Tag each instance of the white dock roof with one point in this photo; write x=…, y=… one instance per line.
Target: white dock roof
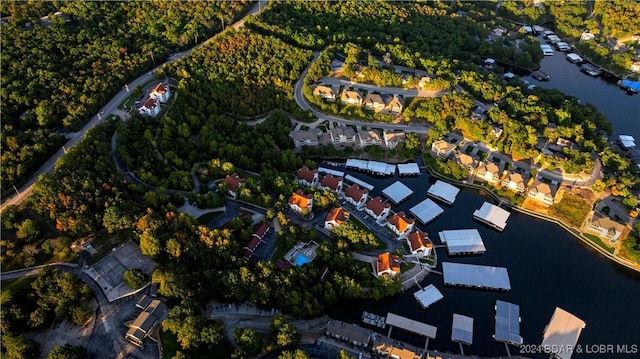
x=627, y=141
x=397, y=192
x=462, y=329
x=330, y=171
x=408, y=169
x=444, y=191
x=413, y=326
x=508, y=323
x=361, y=183
x=356, y=163
x=381, y=168
x=426, y=211
x=476, y=276
x=428, y=296
x=462, y=241
x=493, y=215
x=562, y=332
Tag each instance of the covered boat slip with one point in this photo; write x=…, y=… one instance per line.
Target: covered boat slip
x=443, y=191
x=359, y=182
x=397, y=192
x=475, y=276
x=462, y=241
x=462, y=329
x=428, y=296
x=426, y=211
x=374, y=167
x=507, y=323
x=492, y=215
x=330, y=171
x=408, y=169
x=561, y=333
x=425, y=330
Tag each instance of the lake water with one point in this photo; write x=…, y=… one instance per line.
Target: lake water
x=547, y=267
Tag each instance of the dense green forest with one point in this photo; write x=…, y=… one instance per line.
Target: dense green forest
x=57, y=74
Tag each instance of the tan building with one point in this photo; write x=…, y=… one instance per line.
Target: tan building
x=542, y=192
x=351, y=98
x=328, y=93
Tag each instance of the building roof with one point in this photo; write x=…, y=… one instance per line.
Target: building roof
x=516, y=177
x=413, y=326
x=408, y=169
x=149, y=103
x=149, y=316
x=427, y=296
x=490, y=167
x=462, y=241
x=562, y=332
x=331, y=182
x=369, y=136
x=444, y=191
x=443, y=146
x=377, y=206
x=426, y=211
x=338, y=132
x=475, y=276
x=395, y=102
x=607, y=223
x=306, y=174
x=394, y=137
x=541, y=188
x=347, y=94
x=419, y=240
x=400, y=221
x=355, y=192
x=388, y=261
x=300, y=199
x=464, y=159
x=233, y=181
x=507, y=323
x=397, y=192
x=390, y=347
x=348, y=331
x=251, y=246
x=374, y=98
x=338, y=215
x=325, y=90
x=302, y=136
x=329, y=170
x=462, y=329
x=260, y=229
x=160, y=88
x=493, y=215
x=359, y=182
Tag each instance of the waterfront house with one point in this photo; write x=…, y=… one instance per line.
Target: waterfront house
x=368, y=138
x=465, y=161
x=374, y=102
x=515, y=182
x=328, y=93
x=300, y=202
x=331, y=182
x=419, y=243
x=356, y=196
x=351, y=98
x=489, y=172
x=233, y=182
x=342, y=135
x=160, y=92
x=605, y=227
x=387, y=264
x=394, y=106
x=304, y=138
x=542, y=192
x=149, y=107
x=400, y=224
x=377, y=209
x=336, y=217
x=392, y=139
x=442, y=148
x=307, y=177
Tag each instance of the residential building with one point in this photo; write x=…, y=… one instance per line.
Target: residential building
x=307, y=177
x=260, y=230
x=304, y=138
x=489, y=172
x=328, y=93
x=145, y=323
x=423, y=82
x=351, y=98
x=385, y=347
x=466, y=161
x=515, y=182
x=542, y=192
x=233, y=182
x=392, y=139
x=356, y=196
x=342, y=135
x=336, y=217
x=160, y=93
x=400, y=224
x=377, y=209
x=394, y=106
x=300, y=202
x=149, y=107
x=368, y=138
x=350, y=333
x=388, y=264
x=605, y=227
x=374, y=102
x=419, y=243
x=331, y=182
x=442, y=148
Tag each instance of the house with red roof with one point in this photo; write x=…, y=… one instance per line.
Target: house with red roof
x=260, y=230
x=336, y=217
x=160, y=92
x=307, y=177
x=149, y=107
x=388, y=264
x=233, y=182
x=400, y=224
x=331, y=182
x=300, y=202
x=377, y=209
x=419, y=244
x=356, y=196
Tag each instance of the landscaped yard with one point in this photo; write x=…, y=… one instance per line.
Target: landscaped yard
x=573, y=209
x=595, y=239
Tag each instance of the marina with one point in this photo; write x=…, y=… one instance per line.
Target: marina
x=574, y=58
x=397, y=192
x=426, y=211
x=462, y=241
x=632, y=87
x=475, y=276
x=590, y=70
x=444, y=192
x=562, y=332
x=335, y=173
x=492, y=215
x=428, y=296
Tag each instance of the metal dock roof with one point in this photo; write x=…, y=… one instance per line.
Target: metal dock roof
x=426, y=211
x=492, y=215
x=413, y=326
x=427, y=296
x=562, y=332
x=475, y=276
x=397, y=192
x=443, y=191
x=462, y=241
x=462, y=329
x=508, y=323
x=359, y=182
x=406, y=169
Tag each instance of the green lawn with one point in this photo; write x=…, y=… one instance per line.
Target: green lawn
x=595, y=239
x=208, y=217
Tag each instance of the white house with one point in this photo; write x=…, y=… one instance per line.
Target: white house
x=368, y=138
x=489, y=171
x=336, y=217
x=542, y=192
x=300, y=202
x=466, y=161
x=352, y=98
x=304, y=138
x=342, y=135
x=419, y=243
x=307, y=177
x=233, y=182
x=377, y=209
x=515, y=182
x=374, y=102
x=388, y=264
x=328, y=93
x=442, y=148
x=160, y=93
x=392, y=139
x=605, y=227
x=149, y=107
x=394, y=106
x=356, y=196
x=400, y=224
x=331, y=182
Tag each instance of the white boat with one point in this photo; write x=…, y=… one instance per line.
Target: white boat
x=574, y=58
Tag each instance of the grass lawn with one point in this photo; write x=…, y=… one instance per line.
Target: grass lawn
x=208, y=217
x=630, y=249
x=595, y=239
x=572, y=209
x=17, y=285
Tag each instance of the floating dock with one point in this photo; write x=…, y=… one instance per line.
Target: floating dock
x=492, y=215
x=426, y=211
x=408, y=169
x=462, y=241
x=475, y=276
x=397, y=192
x=428, y=296
x=373, y=319
x=507, y=323
x=561, y=333
x=462, y=330
x=444, y=192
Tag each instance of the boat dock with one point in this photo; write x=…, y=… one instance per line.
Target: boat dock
x=492, y=215
x=476, y=276
x=422, y=329
x=373, y=319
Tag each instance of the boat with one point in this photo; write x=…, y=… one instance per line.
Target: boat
x=540, y=75
x=374, y=319
x=632, y=87
x=574, y=58
x=590, y=70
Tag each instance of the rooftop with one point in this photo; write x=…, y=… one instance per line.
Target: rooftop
x=462, y=329
x=413, y=326
x=428, y=296
x=419, y=240
x=562, y=332
x=475, y=276
x=397, y=192
x=507, y=323
x=306, y=174
x=462, y=241
x=492, y=215
x=233, y=181
x=331, y=182
x=377, y=206
x=443, y=191
x=408, y=169
x=355, y=192
x=400, y=221
x=388, y=261
x=426, y=211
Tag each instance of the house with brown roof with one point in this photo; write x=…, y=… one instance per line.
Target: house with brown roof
x=342, y=135
x=419, y=243
x=374, y=102
x=514, y=182
x=392, y=139
x=377, y=209
x=465, y=161
x=356, y=196
x=400, y=224
x=542, y=192
x=149, y=107
x=442, y=148
x=145, y=322
x=260, y=230
x=304, y=138
x=330, y=182
x=489, y=172
x=351, y=98
x=160, y=92
x=336, y=217
x=605, y=227
x=387, y=264
x=233, y=182
x=368, y=138
x=300, y=202
x=394, y=106
x=307, y=177
x=328, y=93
